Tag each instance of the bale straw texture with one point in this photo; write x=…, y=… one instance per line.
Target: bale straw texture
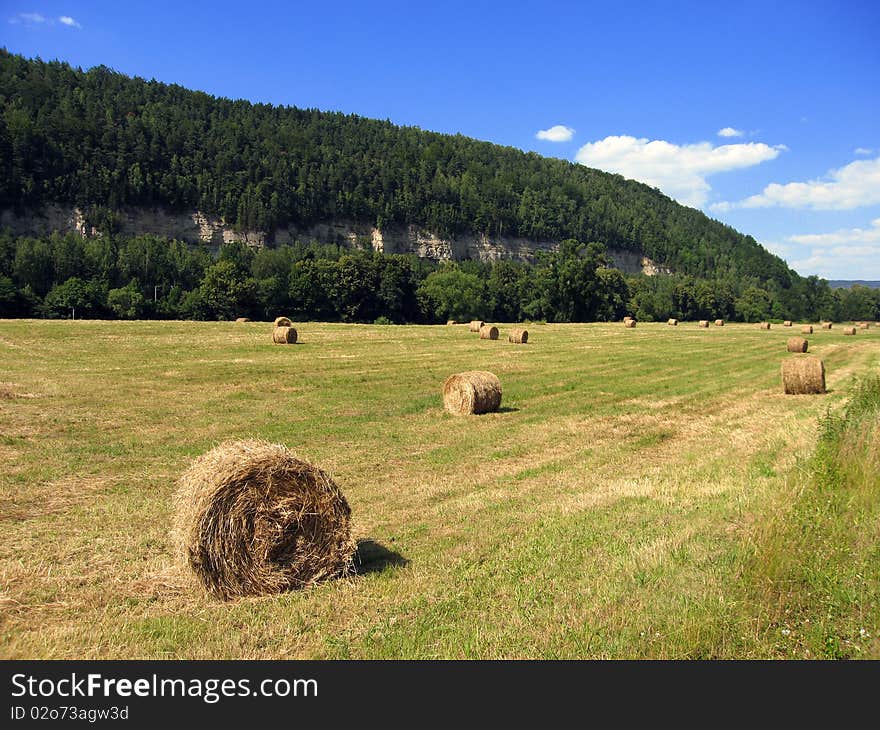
x=518, y=336
x=283, y=322
x=472, y=392
x=797, y=344
x=807, y=329
x=284, y=336
x=719, y=322
x=252, y=519
x=849, y=330
x=488, y=332
x=803, y=375
x=476, y=324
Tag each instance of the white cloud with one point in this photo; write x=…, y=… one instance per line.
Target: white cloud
x=730, y=132
x=837, y=255
x=852, y=186
x=862, y=151
x=557, y=133
x=680, y=171
x=28, y=18
x=68, y=21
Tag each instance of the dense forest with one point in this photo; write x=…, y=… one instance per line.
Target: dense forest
x=100, y=140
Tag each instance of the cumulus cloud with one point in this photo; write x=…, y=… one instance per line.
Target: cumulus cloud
x=855, y=185
x=557, y=133
x=680, y=171
x=68, y=21
x=836, y=255
x=862, y=151
x=730, y=132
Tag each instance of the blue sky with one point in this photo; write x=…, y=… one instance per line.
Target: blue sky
x=765, y=115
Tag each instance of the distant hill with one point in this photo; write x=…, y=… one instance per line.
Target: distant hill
x=102, y=142
x=848, y=284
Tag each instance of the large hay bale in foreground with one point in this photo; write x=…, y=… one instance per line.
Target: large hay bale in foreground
x=283, y=322
x=807, y=329
x=252, y=519
x=797, y=344
x=629, y=323
x=787, y=323
x=472, y=392
x=284, y=336
x=476, y=324
x=703, y=323
x=719, y=322
x=826, y=325
x=488, y=332
x=763, y=325
x=672, y=322
x=518, y=336
x=849, y=330
x=803, y=375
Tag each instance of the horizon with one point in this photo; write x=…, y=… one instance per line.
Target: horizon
x=782, y=145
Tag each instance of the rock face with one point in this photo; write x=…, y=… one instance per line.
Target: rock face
x=198, y=227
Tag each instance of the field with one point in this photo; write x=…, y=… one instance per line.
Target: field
x=618, y=506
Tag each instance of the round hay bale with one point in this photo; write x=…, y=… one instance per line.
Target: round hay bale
x=476, y=324
x=797, y=344
x=488, y=332
x=763, y=325
x=518, y=336
x=787, y=323
x=252, y=519
x=283, y=322
x=826, y=325
x=849, y=330
x=627, y=319
x=864, y=325
x=703, y=323
x=451, y=321
x=472, y=392
x=803, y=375
x=672, y=322
x=242, y=319
x=807, y=329
x=630, y=324
x=719, y=322
x=284, y=336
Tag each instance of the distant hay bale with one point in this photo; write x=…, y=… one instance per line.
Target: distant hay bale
x=284, y=336
x=242, y=319
x=629, y=323
x=451, y=321
x=864, y=325
x=703, y=323
x=763, y=325
x=488, y=332
x=787, y=323
x=807, y=329
x=252, y=519
x=826, y=325
x=849, y=330
x=672, y=322
x=476, y=324
x=719, y=322
x=518, y=336
x=283, y=322
x=627, y=319
x=803, y=375
x=797, y=344
x=472, y=392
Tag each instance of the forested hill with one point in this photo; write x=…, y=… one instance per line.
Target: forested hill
x=101, y=140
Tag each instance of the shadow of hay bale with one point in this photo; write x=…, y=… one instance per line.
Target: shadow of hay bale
x=373, y=557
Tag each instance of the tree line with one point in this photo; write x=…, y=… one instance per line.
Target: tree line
x=147, y=276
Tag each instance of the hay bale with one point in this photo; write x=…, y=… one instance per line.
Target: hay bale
x=476, y=324
x=849, y=330
x=627, y=319
x=518, y=336
x=807, y=329
x=451, y=321
x=719, y=322
x=283, y=322
x=826, y=325
x=252, y=519
x=672, y=322
x=763, y=325
x=864, y=325
x=703, y=323
x=797, y=344
x=803, y=375
x=630, y=323
x=284, y=336
x=488, y=332
x=472, y=392
x=787, y=323
x=242, y=319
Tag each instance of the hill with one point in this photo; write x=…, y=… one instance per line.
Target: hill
x=849, y=283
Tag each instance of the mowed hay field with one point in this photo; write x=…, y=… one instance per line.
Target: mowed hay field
x=608, y=510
